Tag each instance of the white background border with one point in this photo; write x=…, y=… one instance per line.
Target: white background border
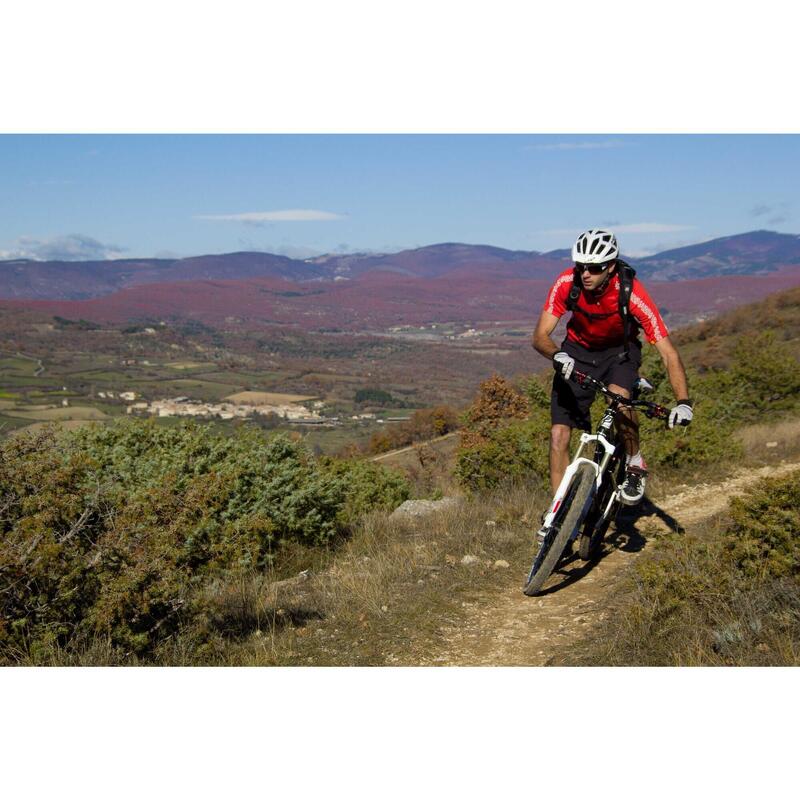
x=353, y=66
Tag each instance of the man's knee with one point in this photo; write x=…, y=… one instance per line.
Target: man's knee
x=619, y=390
x=559, y=438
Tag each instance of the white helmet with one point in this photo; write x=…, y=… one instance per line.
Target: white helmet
x=595, y=247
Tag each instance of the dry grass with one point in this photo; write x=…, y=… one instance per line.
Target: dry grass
x=391, y=588
x=187, y=364
x=783, y=438
x=59, y=413
x=267, y=398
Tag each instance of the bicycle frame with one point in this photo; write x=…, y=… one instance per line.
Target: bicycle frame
x=601, y=439
x=577, y=485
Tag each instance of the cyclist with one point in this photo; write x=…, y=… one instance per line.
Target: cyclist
x=597, y=344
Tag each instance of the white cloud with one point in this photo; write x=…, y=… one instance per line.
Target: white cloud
x=561, y=146
x=284, y=215
x=73, y=247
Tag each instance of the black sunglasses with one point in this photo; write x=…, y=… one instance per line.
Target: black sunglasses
x=594, y=269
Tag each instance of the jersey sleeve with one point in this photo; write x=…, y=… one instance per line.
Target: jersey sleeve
x=556, y=302
x=647, y=314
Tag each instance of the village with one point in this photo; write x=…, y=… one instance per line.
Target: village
x=241, y=405
x=246, y=404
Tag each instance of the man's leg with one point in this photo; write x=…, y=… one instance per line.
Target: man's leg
x=627, y=423
x=636, y=471
x=559, y=453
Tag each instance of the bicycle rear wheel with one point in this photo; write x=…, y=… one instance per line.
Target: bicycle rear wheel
x=573, y=511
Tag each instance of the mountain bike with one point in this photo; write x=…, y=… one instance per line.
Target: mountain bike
x=588, y=497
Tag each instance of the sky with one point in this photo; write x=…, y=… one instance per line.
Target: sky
x=113, y=196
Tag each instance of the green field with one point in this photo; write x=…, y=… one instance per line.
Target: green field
x=101, y=375
x=8, y=424
x=17, y=366
x=259, y=380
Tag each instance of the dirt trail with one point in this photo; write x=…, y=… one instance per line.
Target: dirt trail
x=507, y=628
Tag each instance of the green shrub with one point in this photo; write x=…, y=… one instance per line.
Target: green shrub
x=517, y=451
x=109, y=532
x=764, y=535
x=367, y=487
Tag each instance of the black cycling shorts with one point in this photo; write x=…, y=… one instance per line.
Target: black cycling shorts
x=569, y=402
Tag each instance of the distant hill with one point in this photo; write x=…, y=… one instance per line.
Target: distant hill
x=743, y=254
x=76, y=280
x=449, y=282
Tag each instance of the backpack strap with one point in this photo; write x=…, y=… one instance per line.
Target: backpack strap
x=626, y=274
x=574, y=292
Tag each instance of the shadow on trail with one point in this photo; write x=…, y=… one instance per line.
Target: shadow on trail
x=625, y=536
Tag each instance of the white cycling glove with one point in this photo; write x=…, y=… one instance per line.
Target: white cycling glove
x=564, y=364
x=681, y=414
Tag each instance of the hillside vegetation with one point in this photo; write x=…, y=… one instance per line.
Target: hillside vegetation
x=140, y=544
x=115, y=533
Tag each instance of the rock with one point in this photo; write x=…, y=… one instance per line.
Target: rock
x=467, y=560
x=772, y=444
x=291, y=583
x=421, y=508
x=500, y=564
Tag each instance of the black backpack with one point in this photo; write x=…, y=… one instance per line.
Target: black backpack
x=626, y=274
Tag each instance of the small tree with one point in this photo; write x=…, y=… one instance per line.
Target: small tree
x=496, y=403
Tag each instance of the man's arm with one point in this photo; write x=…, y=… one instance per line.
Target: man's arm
x=675, y=370
x=542, y=342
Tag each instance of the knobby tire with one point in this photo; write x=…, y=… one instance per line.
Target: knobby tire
x=571, y=518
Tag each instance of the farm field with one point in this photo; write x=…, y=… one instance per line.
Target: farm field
x=59, y=413
x=268, y=398
x=211, y=365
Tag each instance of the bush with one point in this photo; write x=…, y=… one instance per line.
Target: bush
x=516, y=451
x=376, y=397
x=426, y=423
x=762, y=377
x=109, y=532
x=763, y=538
x=498, y=443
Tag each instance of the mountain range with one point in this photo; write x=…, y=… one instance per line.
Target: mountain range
x=451, y=281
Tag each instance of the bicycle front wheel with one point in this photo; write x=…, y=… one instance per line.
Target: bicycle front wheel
x=573, y=511
x=596, y=524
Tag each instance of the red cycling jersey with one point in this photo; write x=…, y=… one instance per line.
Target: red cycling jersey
x=597, y=334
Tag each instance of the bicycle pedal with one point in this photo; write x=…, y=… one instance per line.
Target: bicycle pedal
x=543, y=533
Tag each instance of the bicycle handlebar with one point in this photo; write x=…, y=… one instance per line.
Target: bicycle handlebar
x=652, y=410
